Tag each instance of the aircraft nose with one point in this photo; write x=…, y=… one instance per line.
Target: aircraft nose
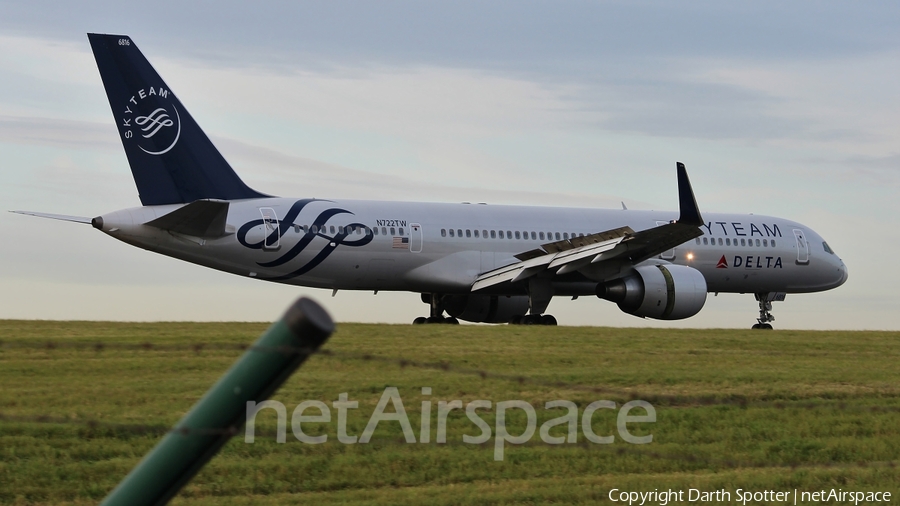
x=844, y=273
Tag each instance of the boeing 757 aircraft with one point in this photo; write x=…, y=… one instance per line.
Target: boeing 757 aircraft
x=473, y=262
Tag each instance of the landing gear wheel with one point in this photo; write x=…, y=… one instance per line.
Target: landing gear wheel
x=766, y=326
x=434, y=319
x=451, y=320
x=548, y=319
x=516, y=320
x=531, y=319
x=420, y=320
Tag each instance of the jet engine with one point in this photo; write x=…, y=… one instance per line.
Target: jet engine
x=485, y=308
x=662, y=292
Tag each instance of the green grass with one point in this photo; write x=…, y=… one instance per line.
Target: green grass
x=735, y=409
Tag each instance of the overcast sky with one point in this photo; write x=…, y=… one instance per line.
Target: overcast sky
x=782, y=108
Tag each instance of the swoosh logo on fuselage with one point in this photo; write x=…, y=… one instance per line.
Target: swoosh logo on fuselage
x=318, y=225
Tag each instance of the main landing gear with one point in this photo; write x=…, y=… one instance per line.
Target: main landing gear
x=765, y=307
x=540, y=292
x=533, y=319
x=437, y=311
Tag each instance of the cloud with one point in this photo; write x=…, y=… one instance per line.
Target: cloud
x=57, y=132
x=291, y=176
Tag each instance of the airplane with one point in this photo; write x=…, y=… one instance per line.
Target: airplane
x=471, y=262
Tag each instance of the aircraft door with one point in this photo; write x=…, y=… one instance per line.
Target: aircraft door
x=272, y=234
x=415, y=238
x=802, y=247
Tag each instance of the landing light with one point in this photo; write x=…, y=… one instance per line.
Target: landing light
x=690, y=256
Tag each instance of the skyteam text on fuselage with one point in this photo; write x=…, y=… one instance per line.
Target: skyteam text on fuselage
x=473, y=262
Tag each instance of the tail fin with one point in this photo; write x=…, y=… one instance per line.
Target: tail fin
x=171, y=159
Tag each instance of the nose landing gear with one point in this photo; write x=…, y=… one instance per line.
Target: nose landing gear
x=765, y=300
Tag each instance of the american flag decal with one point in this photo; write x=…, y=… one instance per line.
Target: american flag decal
x=400, y=242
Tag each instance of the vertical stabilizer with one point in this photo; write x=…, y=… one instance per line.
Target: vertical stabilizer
x=171, y=159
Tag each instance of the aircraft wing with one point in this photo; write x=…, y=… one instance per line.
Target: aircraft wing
x=617, y=244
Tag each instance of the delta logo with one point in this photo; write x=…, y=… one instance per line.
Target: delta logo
x=723, y=263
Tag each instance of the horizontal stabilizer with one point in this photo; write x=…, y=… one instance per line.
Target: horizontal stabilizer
x=201, y=218
x=63, y=217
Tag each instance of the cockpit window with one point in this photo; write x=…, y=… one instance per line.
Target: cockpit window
x=827, y=248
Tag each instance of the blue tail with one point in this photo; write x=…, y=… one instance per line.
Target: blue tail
x=171, y=159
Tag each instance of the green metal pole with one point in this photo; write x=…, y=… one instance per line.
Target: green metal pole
x=221, y=412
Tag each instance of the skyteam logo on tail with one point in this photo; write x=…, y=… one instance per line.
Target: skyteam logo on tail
x=152, y=121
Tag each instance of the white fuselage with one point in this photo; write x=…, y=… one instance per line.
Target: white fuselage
x=432, y=247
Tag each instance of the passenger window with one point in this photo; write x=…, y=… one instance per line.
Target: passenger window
x=557, y=236
x=765, y=243
x=484, y=234
x=565, y=235
x=720, y=241
x=742, y=243
x=476, y=233
x=393, y=231
x=443, y=232
x=468, y=233
x=705, y=241
x=697, y=240
x=757, y=243
x=451, y=232
x=773, y=243
x=508, y=234
x=375, y=231
x=542, y=236
x=458, y=232
x=727, y=242
x=517, y=234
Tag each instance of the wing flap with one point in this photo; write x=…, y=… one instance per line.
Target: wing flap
x=512, y=273
x=566, y=255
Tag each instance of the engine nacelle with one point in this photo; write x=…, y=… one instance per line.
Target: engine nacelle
x=662, y=292
x=485, y=308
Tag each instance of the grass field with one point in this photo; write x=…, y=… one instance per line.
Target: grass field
x=779, y=410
